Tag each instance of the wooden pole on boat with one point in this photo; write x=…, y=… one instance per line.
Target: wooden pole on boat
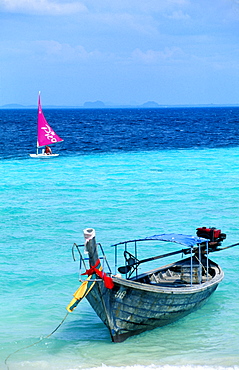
x=229, y=246
x=91, y=246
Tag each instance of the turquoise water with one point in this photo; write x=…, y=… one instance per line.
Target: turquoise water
x=45, y=205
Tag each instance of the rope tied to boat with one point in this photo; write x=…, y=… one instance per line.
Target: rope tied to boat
x=33, y=344
x=106, y=279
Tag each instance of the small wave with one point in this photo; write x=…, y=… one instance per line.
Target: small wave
x=163, y=367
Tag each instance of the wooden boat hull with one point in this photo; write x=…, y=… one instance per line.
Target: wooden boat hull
x=131, y=307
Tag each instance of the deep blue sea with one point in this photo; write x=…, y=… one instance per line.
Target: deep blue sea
x=92, y=131
x=128, y=173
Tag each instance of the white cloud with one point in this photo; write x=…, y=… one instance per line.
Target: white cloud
x=54, y=51
x=135, y=6
x=42, y=7
x=155, y=57
x=178, y=15
x=142, y=24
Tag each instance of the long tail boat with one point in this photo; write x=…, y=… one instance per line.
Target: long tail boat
x=130, y=302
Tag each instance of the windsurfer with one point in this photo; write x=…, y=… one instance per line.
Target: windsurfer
x=48, y=150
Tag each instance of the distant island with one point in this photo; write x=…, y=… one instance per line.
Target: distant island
x=98, y=104
x=94, y=104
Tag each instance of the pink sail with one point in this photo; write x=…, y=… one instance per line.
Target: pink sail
x=45, y=134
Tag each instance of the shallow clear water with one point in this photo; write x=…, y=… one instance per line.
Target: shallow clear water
x=45, y=205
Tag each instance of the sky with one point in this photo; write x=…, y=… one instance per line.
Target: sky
x=173, y=52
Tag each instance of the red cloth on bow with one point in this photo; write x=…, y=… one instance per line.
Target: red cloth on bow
x=93, y=270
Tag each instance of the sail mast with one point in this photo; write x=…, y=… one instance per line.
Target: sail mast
x=39, y=104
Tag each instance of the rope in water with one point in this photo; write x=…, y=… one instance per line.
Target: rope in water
x=33, y=344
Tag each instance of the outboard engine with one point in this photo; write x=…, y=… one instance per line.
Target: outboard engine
x=214, y=235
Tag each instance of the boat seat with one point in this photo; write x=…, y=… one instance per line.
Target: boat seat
x=165, y=278
x=169, y=273
x=153, y=279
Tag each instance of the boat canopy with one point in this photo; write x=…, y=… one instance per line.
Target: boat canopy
x=188, y=240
